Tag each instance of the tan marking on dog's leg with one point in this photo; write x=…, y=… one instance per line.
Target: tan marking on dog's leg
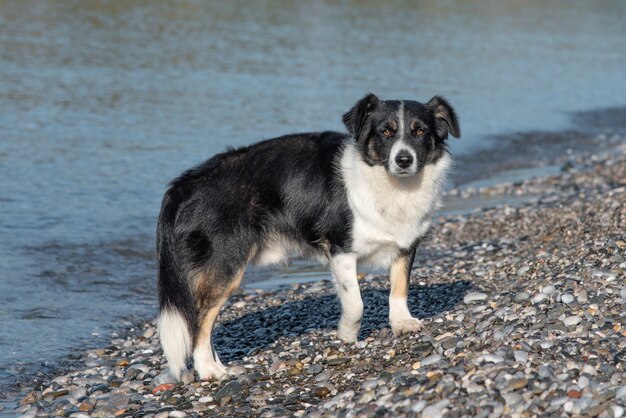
x=399, y=277
x=205, y=358
x=399, y=315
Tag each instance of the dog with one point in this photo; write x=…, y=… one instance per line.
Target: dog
x=366, y=196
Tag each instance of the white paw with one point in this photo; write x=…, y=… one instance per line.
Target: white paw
x=211, y=370
x=348, y=333
x=405, y=326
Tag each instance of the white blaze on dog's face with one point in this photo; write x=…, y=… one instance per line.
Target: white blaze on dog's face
x=402, y=136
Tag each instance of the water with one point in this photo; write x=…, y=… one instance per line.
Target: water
x=103, y=102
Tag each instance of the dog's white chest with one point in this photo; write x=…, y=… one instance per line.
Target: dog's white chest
x=389, y=214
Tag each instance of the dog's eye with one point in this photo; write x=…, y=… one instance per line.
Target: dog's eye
x=387, y=133
x=419, y=131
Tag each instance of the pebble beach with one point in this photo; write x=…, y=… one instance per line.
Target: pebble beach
x=524, y=311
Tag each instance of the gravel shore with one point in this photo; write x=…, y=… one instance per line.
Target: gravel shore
x=523, y=309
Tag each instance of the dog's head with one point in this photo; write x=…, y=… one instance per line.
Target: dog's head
x=402, y=136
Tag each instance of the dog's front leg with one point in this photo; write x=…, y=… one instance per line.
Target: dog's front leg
x=399, y=315
x=343, y=267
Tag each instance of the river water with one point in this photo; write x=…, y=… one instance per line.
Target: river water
x=103, y=102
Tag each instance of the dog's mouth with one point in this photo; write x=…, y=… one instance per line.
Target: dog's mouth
x=403, y=173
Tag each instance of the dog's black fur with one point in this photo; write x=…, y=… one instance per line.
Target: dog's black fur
x=218, y=216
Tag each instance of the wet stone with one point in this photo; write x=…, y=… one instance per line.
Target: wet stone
x=57, y=393
x=116, y=383
x=172, y=400
x=86, y=406
x=123, y=362
x=132, y=373
x=30, y=397
x=98, y=388
x=119, y=401
x=104, y=412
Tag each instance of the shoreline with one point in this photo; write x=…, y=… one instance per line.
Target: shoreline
x=471, y=250
x=519, y=154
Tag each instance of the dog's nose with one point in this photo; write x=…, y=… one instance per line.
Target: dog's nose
x=404, y=160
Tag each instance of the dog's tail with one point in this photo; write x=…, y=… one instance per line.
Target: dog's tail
x=177, y=315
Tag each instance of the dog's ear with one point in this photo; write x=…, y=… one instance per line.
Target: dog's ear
x=446, y=121
x=354, y=119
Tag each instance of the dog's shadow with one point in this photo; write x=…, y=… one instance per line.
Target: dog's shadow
x=257, y=330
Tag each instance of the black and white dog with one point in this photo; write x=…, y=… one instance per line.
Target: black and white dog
x=367, y=196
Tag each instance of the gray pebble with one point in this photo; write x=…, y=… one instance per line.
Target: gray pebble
x=493, y=358
x=104, y=412
x=149, y=333
x=572, y=320
x=419, y=406
x=432, y=359
x=512, y=398
x=314, y=369
x=431, y=412
x=521, y=297
x=472, y=297
x=231, y=389
x=162, y=378
x=583, y=381
x=323, y=376
x=545, y=372
x=521, y=356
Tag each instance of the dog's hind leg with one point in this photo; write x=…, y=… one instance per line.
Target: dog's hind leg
x=343, y=267
x=211, y=296
x=400, y=317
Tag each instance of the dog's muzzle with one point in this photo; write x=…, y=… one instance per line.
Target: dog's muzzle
x=403, y=163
